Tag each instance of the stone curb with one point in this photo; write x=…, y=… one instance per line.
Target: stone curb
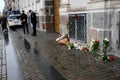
x=3, y=64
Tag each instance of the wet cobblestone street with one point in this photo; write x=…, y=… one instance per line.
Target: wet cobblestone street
x=41, y=58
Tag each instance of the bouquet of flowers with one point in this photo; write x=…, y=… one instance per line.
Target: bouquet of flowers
x=94, y=45
x=62, y=37
x=105, y=45
x=84, y=49
x=69, y=45
x=102, y=58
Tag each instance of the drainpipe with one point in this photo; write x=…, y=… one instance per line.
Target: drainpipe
x=56, y=15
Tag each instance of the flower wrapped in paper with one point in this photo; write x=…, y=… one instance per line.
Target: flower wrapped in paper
x=70, y=45
x=105, y=45
x=84, y=49
x=62, y=37
x=94, y=45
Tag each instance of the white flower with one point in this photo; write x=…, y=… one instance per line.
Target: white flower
x=106, y=39
x=80, y=47
x=92, y=40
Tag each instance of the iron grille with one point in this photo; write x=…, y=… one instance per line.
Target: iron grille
x=79, y=29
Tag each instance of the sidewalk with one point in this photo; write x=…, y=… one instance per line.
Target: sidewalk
x=3, y=69
x=72, y=64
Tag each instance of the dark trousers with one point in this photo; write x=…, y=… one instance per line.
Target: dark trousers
x=25, y=28
x=4, y=26
x=34, y=28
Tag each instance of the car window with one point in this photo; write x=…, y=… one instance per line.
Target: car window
x=14, y=17
x=14, y=12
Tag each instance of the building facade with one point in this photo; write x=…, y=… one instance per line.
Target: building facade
x=43, y=9
x=103, y=21
x=91, y=19
x=7, y=4
x=11, y=4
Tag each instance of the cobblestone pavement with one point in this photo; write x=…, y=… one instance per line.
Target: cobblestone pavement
x=3, y=69
x=72, y=64
x=29, y=68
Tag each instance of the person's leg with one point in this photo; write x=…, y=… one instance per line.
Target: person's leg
x=27, y=28
x=34, y=28
x=5, y=27
x=23, y=28
x=2, y=26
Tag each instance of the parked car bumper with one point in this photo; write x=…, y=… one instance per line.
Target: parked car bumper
x=10, y=24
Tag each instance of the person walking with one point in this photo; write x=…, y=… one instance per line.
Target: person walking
x=24, y=22
x=4, y=21
x=33, y=21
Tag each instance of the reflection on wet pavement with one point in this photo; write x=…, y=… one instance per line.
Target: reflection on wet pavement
x=6, y=37
x=13, y=67
x=48, y=70
x=27, y=45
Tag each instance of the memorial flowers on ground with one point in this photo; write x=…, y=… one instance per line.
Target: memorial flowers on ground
x=94, y=45
x=105, y=45
x=70, y=45
x=104, y=56
x=64, y=40
x=95, y=49
x=84, y=49
x=98, y=54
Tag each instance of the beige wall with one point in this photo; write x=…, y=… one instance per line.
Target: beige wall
x=78, y=3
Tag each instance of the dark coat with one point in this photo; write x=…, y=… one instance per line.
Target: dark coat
x=4, y=21
x=33, y=18
x=0, y=20
x=23, y=18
